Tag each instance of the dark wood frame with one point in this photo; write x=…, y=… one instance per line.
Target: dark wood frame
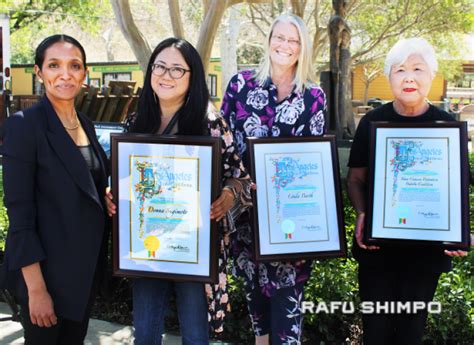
x=464, y=178
x=215, y=144
x=251, y=142
x=112, y=124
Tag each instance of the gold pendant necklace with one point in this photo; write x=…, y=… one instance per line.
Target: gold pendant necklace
x=73, y=127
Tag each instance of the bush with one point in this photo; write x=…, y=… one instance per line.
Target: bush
x=455, y=324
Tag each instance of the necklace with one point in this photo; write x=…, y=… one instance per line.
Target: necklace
x=73, y=127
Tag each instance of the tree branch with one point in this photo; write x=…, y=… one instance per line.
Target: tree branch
x=254, y=22
x=298, y=7
x=130, y=31
x=23, y=18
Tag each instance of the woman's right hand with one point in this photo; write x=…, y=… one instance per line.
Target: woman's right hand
x=359, y=232
x=111, y=207
x=41, y=308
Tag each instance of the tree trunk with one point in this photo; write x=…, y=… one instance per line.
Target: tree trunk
x=175, y=15
x=209, y=28
x=340, y=62
x=228, y=46
x=130, y=31
x=107, y=36
x=298, y=7
x=334, y=52
x=366, y=92
x=345, y=96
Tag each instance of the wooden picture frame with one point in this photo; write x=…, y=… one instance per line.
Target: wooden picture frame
x=103, y=131
x=418, y=190
x=298, y=211
x=163, y=187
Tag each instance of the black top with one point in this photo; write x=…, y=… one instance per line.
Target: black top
x=407, y=258
x=92, y=163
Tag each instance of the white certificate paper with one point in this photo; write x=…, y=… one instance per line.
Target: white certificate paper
x=165, y=221
x=296, y=197
x=416, y=187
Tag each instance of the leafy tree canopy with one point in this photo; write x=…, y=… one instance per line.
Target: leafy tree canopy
x=32, y=20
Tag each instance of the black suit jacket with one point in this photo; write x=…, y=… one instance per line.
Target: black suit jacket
x=56, y=213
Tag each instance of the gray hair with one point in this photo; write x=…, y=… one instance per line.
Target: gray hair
x=303, y=73
x=411, y=46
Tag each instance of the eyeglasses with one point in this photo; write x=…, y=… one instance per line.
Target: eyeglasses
x=282, y=39
x=174, y=72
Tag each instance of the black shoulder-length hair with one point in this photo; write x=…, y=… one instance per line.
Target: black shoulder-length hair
x=193, y=113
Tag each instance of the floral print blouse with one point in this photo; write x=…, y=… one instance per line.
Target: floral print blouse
x=253, y=110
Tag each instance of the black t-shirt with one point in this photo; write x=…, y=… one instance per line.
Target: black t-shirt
x=406, y=258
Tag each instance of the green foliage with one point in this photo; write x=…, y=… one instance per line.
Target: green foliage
x=440, y=22
x=31, y=21
x=249, y=54
x=85, y=12
x=455, y=324
x=334, y=280
x=237, y=328
x=23, y=51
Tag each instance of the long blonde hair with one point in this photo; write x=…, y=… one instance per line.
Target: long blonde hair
x=303, y=73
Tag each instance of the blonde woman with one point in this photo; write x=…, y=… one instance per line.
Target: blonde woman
x=276, y=100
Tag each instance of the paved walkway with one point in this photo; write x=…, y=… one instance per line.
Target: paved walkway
x=100, y=332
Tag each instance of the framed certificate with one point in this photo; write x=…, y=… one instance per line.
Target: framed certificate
x=418, y=185
x=103, y=131
x=163, y=187
x=298, y=210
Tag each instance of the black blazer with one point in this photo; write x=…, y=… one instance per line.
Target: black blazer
x=57, y=215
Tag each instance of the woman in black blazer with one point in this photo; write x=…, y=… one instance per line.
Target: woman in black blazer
x=54, y=176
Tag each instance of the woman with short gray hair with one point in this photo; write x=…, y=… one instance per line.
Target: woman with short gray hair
x=388, y=274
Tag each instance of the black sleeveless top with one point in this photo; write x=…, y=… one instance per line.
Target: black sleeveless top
x=92, y=163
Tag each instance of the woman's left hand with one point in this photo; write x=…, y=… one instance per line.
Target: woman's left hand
x=111, y=207
x=453, y=253
x=220, y=207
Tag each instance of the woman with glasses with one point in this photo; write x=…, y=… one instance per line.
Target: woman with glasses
x=277, y=100
x=175, y=100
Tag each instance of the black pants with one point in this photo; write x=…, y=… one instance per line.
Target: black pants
x=65, y=332
x=393, y=328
